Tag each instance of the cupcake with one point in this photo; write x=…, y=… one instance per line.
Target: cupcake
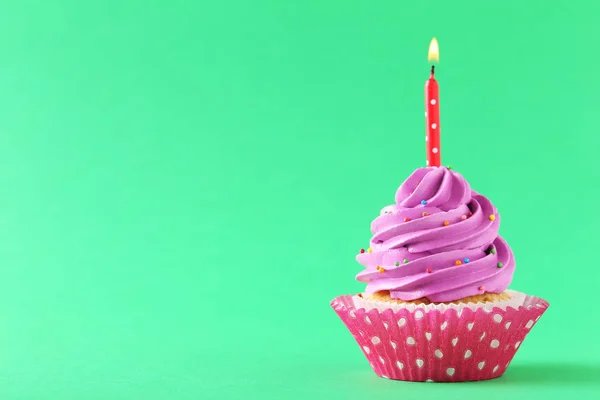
x=436, y=306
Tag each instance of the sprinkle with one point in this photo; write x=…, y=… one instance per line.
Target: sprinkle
x=362, y=251
x=493, y=251
x=406, y=219
x=492, y=217
x=381, y=270
x=397, y=263
x=406, y=261
x=418, y=183
x=481, y=288
x=425, y=214
x=428, y=270
x=499, y=265
x=470, y=214
x=446, y=223
x=463, y=217
x=423, y=202
x=458, y=262
x=369, y=250
x=449, y=166
x=467, y=260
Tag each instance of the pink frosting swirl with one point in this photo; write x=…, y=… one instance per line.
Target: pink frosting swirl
x=440, y=241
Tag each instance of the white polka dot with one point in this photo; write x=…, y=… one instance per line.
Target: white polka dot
x=410, y=340
x=494, y=344
x=468, y=354
x=432, y=101
x=361, y=333
x=399, y=364
x=385, y=376
x=434, y=150
x=366, y=349
x=444, y=325
x=496, y=368
x=507, y=364
x=352, y=314
x=497, y=318
x=529, y=324
x=481, y=365
x=454, y=341
x=385, y=325
x=419, y=362
x=482, y=336
x=382, y=360
x=428, y=335
x=429, y=381
x=517, y=345
x=425, y=113
x=426, y=138
x=426, y=162
x=393, y=344
x=538, y=317
x=450, y=371
x=433, y=126
x=401, y=322
x=470, y=325
x=367, y=320
x=419, y=314
x=507, y=325
x=438, y=353
x=375, y=340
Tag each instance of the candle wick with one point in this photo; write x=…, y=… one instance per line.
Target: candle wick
x=432, y=70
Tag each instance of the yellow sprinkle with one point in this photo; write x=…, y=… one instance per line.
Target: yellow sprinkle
x=446, y=223
x=369, y=250
x=381, y=270
x=492, y=217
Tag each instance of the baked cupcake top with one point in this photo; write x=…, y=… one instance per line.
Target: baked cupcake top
x=439, y=241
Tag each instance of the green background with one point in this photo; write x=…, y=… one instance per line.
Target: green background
x=184, y=186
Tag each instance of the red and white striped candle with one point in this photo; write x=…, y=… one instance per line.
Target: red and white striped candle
x=432, y=112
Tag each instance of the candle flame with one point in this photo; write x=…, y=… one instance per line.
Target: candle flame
x=434, y=51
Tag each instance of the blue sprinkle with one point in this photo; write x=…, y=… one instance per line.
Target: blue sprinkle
x=423, y=202
x=467, y=260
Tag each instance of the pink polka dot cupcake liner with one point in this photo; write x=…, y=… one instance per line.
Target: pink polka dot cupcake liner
x=446, y=343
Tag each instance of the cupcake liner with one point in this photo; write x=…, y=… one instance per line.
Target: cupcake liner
x=453, y=343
